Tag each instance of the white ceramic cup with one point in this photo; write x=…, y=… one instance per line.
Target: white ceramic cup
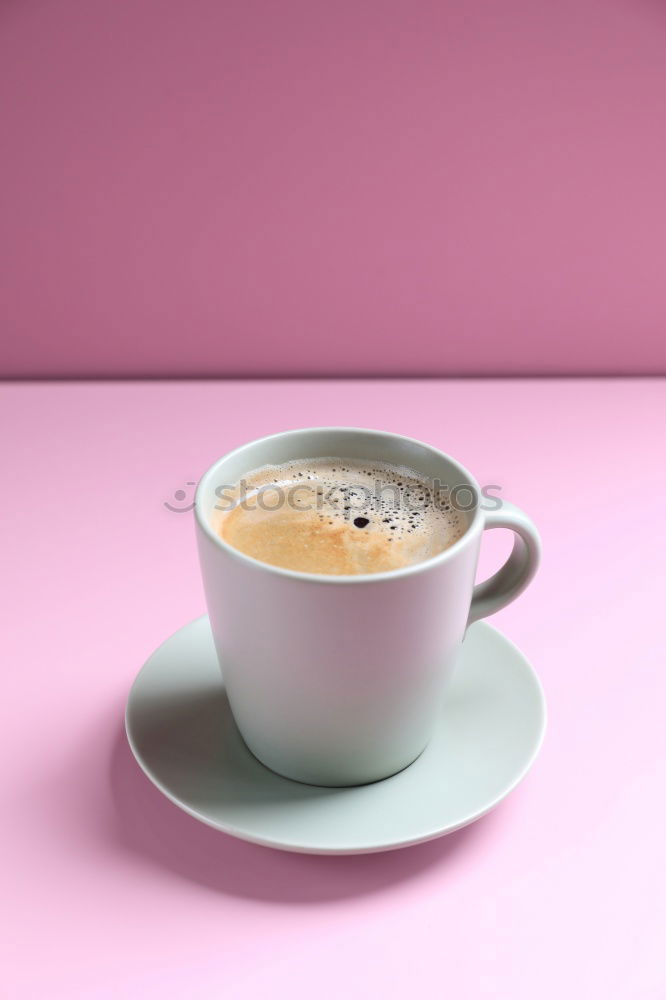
x=337, y=680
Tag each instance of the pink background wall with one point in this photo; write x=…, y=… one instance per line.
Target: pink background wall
x=366, y=186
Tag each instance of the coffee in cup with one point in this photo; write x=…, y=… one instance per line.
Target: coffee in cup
x=338, y=516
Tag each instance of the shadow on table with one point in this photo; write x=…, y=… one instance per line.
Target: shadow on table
x=153, y=828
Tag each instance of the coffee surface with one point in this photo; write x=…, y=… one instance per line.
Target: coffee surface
x=337, y=516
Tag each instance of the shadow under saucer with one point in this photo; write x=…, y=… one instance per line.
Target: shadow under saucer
x=156, y=830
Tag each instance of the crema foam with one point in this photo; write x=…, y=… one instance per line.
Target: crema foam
x=337, y=516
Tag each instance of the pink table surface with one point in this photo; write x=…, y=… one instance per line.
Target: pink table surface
x=110, y=891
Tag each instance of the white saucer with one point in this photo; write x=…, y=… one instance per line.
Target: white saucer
x=181, y=731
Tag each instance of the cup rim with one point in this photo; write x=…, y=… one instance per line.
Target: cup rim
x=474, y=527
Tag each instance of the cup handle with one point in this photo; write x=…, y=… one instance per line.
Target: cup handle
x=509, y=581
